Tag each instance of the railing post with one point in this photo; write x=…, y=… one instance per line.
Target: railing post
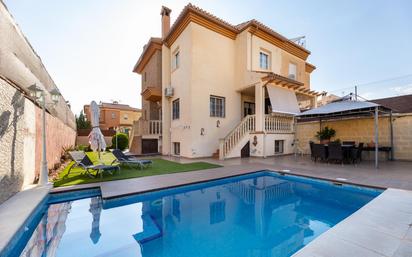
x=221, y=149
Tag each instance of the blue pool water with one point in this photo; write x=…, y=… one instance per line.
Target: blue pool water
x=261, y=214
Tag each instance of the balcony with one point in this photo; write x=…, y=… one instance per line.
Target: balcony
x=147, y=128
x=153, y=94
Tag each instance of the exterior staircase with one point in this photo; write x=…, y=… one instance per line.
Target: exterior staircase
x=272, y=124
x=246, y=125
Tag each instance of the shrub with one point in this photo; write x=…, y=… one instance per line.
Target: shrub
x=326, y=133
x=122, y=141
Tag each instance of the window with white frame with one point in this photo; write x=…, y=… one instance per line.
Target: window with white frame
x=264, y=60
x=292, y=71
x=217, y=106
x=176, y=109
x=279, y=146
x=176, y=60
x=176, y=148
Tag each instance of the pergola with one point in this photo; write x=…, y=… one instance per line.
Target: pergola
x=351, y=108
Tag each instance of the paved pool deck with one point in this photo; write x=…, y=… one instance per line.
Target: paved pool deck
x=380, y=228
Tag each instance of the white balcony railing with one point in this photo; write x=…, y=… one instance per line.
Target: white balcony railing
x=147, y=127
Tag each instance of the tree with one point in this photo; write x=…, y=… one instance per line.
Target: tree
x=81, y=121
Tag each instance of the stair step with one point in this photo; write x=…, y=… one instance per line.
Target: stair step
x=215, y=155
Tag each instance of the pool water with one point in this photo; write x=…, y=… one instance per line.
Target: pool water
x=260, y=215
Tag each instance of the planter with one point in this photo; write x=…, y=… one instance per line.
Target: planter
x=325, y=141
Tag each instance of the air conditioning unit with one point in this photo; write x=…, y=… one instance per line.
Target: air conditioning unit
x=169, y=91
x=292, y=76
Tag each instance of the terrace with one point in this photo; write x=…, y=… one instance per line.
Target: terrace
x=391, y=174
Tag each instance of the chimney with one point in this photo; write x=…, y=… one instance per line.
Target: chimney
x=165, y=12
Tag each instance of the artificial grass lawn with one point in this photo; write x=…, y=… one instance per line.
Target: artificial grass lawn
x=158, y=167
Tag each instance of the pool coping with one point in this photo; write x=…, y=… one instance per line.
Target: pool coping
x=119, y=188
x=142, y=185
x=382, y=227
x=17, y=211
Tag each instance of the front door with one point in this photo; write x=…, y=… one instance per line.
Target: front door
x=245, y=152
x=149, y=146
x=248, y=108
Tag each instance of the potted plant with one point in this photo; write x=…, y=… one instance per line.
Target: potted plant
x=325, y=134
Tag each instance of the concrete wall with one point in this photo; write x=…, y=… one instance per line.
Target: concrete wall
x=362, y=130
x=20, y=118
x=21, y=141
x=20, y=64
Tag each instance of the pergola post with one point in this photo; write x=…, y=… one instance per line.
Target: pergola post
x=376, y=137
x=391, y=134
x=259, y=107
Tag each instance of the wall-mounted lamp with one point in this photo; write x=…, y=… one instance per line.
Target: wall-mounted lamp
x=218, y=123
x=55, y=95
x=202, y=131
x=255, y=142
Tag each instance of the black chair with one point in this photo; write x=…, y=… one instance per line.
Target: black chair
x=348, y=143
x=357, y=153
x=335, y=152
x=121, y=158
x=312, y=154
x=319, y=152
x=82, y=160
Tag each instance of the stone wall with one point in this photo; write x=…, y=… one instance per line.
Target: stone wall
x=20, y=117
x=21, y=140
x=362, y=130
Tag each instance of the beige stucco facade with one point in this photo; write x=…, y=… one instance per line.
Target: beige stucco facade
x=221, y=61
x=212, y=64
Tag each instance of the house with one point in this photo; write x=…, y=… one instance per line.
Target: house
x=115, y=116
x=210, y=88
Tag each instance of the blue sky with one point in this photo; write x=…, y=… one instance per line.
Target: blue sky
x=90, y=47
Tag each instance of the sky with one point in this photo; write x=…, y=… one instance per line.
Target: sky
x=90, y=47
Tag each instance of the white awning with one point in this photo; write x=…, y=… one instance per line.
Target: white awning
x=283, y=100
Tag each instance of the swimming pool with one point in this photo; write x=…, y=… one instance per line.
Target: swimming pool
x=260, y=214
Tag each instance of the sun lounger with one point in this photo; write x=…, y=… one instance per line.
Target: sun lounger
x=82, y=160
x=129, y=160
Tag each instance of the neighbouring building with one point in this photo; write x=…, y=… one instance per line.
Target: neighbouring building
x=210, y=88
x=21, y=117
x=115, y=116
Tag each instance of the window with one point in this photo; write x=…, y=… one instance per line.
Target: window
x=176, y=109
x=176, y=148
x=217, y=106
x=113, y=115
x=125, y=117
x=279, y=146
x=176, y=60
x=264, y=61
x=292, y=71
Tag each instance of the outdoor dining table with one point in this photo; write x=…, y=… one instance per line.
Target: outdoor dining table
x=346, y=150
